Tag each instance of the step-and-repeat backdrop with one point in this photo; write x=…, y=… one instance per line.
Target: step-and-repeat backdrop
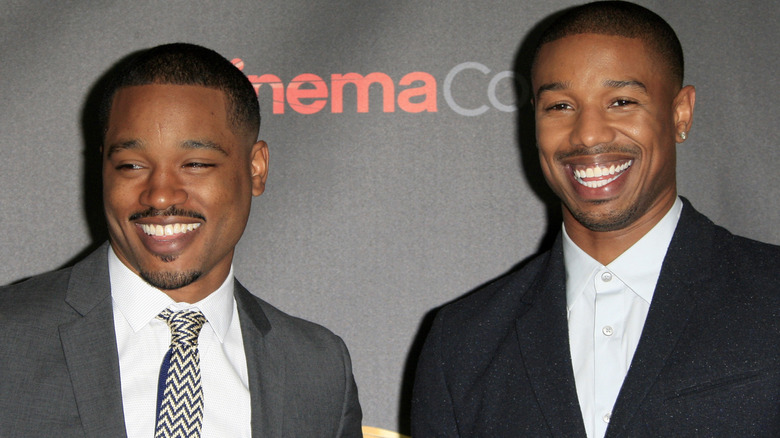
x=402, y=170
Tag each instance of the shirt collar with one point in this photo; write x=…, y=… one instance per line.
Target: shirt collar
x=638, y=267
x=139, y=302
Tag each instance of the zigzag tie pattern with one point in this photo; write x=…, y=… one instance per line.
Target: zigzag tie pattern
x=180, y=397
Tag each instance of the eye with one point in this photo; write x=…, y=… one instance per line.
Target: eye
x=558, y=107
x=198, y=165
x=623, y=102
x=128, y=166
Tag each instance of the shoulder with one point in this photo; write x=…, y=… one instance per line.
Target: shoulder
x=748, y=269
x=321, y=395
x=499, y=296
x=40, y=292
x=762, y=255
x=727, y=254
x=483, y=318
x=294, y=328
x=296, y=336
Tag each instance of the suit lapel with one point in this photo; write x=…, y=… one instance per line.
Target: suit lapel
x=264, y=365
x=89, y=345
x=544, y=346
x=685, y=269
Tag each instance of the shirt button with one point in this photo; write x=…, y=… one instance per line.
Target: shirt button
x=606, y=417
x=607, y=330
x=606, y=277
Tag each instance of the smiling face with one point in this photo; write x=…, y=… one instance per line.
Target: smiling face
x=608, y=115
x=178, y=183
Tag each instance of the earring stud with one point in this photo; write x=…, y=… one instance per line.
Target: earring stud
x=683, y=136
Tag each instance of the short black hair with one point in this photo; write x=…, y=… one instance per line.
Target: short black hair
x=623, y=19
x=187, y=64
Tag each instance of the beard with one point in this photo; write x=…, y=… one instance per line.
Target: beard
x=613, y=220
x=609, y=221
x=170, y=280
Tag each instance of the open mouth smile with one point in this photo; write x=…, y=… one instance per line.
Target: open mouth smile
x=595, y=175
x=168, y=230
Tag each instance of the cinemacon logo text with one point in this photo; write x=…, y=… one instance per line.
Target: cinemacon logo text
x=415, y=92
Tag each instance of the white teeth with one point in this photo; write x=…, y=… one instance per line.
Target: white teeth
x=168, y=230
x=594, y=172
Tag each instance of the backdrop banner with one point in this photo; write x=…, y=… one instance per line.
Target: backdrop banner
x=403, y=169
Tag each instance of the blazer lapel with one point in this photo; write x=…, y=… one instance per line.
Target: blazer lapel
x=544, y=346
x=264, y=365
x=684, y=270
x=89, y=345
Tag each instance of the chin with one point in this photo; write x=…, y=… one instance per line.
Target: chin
x=605, y=221
x=170, y=280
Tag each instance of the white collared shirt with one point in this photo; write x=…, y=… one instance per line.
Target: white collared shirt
x=143, y=340
x=607, y=307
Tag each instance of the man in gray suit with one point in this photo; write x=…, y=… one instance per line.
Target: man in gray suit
x=644, y=319
x=84, y=351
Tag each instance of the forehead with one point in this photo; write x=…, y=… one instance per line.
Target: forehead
x=577, y=58
x=167, y=107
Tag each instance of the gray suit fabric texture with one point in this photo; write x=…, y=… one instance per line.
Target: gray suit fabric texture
x=497, y=362
x=59, y=367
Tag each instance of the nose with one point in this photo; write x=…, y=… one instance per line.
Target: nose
x=592, y=127
x=163, y=190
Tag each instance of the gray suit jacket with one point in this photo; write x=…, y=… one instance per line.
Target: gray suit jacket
x=59, y=368
x=497, y=362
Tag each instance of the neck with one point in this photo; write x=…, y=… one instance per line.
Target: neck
x=606, y=246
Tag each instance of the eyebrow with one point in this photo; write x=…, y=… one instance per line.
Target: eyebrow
x=609, y=83
x=116, y=147
x=205, y=144
x=553, y=86
x=188, y=144
x=622, y=84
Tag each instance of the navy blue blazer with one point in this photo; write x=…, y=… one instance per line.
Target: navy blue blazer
x=497, y=362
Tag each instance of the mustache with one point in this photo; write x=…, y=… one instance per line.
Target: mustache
x=172, y=211
x=600, y=149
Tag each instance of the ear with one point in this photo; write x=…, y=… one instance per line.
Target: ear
x=259, y=165
x=683, y=111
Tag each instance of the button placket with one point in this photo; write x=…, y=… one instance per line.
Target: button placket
x=606, y=337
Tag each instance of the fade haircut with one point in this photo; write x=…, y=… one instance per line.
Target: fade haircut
x=620, y=19
x=188, y=64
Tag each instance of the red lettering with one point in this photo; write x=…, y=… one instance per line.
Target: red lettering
x=318, y=94
x=427, y=89
x=308, y=93
x=277, y=94
x=362, y=84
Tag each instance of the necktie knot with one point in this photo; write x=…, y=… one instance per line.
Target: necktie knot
x=185, y=325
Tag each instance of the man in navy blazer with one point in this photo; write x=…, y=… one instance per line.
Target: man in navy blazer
x=81, y=348
x=645, y=319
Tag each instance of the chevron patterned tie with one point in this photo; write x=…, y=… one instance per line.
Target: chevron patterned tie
x=179, y=395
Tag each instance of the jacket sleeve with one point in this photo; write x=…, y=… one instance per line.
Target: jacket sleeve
x=351, y=414
x=432, y=407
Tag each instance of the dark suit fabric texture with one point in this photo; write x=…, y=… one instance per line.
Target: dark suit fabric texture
x=59, y=367
x=497, y=362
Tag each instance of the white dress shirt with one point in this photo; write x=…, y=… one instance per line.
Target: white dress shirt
x=143, y=340
x=607, y=307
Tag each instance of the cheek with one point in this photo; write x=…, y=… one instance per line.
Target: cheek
x=116, y=196
x=548, y=167
x=227, y=197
